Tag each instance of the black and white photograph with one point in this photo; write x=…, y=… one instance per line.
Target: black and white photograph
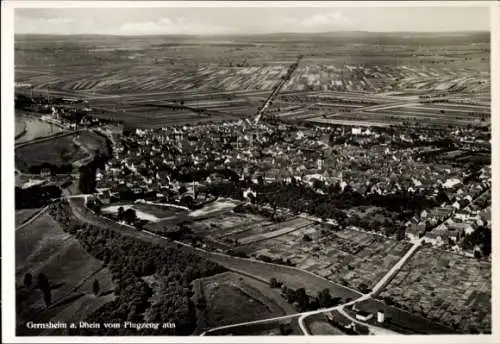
x=256, y=169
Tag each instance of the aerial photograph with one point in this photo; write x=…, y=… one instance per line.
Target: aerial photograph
x=215, y=170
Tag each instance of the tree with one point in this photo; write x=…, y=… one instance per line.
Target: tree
x=363, y=288
x=95, y=287
x=260, y=179
x=87, y=181
x=273, y=282
x=182, y=190
x=302, y=298
x=47, y=296
x=306, y=238
x=43, y=281
x=324, y=298
x=120, y=213
x=28, y=280
x=290, y=295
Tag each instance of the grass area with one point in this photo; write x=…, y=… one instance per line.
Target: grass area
x=42, y=247
x=20, y=127
x=447, y=288
x=217, y=296
x=159, y=211
x=292, y=278
x=214, y=208
x=148, y=212
x=94, y=142
x=24, y=214
x=271, y=328
x=319, y=326
x=59, y=151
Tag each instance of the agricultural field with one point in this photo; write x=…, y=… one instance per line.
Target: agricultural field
x=24, y=214
x=446, y=288
x=226, y=226
x=135, y=78
x=217, y=296
x=42, y=247
x=348, y=257
x=59, y=151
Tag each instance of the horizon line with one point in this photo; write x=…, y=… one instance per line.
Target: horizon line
x=255, y=34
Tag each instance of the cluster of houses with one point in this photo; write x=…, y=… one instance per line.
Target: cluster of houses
x=143, y=163
x=450, y=223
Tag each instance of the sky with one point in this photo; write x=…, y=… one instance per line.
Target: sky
x=248, y=20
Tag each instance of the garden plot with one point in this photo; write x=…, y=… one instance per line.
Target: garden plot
x=348, y=257
x=447, y=288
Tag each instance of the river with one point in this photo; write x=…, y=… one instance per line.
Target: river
x=30, y=128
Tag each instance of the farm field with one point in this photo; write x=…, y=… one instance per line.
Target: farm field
x=24, y=214
x=221, y=293
x=59, y=151
x=42, y=247
x=446, y=288
x=135, y=78
x=348, y=257
x=317, y=76
x=226, y=226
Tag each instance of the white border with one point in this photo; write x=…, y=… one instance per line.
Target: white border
x=338, y=4
x=7, y=137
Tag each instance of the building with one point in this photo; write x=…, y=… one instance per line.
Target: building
x=415, y=231
x=435, y=237
x=380, y=316
x=364, y=316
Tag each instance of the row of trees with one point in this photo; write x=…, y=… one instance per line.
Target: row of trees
x=87, y=181
x=303, y=301
x=129, y=260
x=42, y=284
x=301, y=198
x=36, y=196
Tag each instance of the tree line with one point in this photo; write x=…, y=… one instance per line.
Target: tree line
x=36, y=196
x=129, y=260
